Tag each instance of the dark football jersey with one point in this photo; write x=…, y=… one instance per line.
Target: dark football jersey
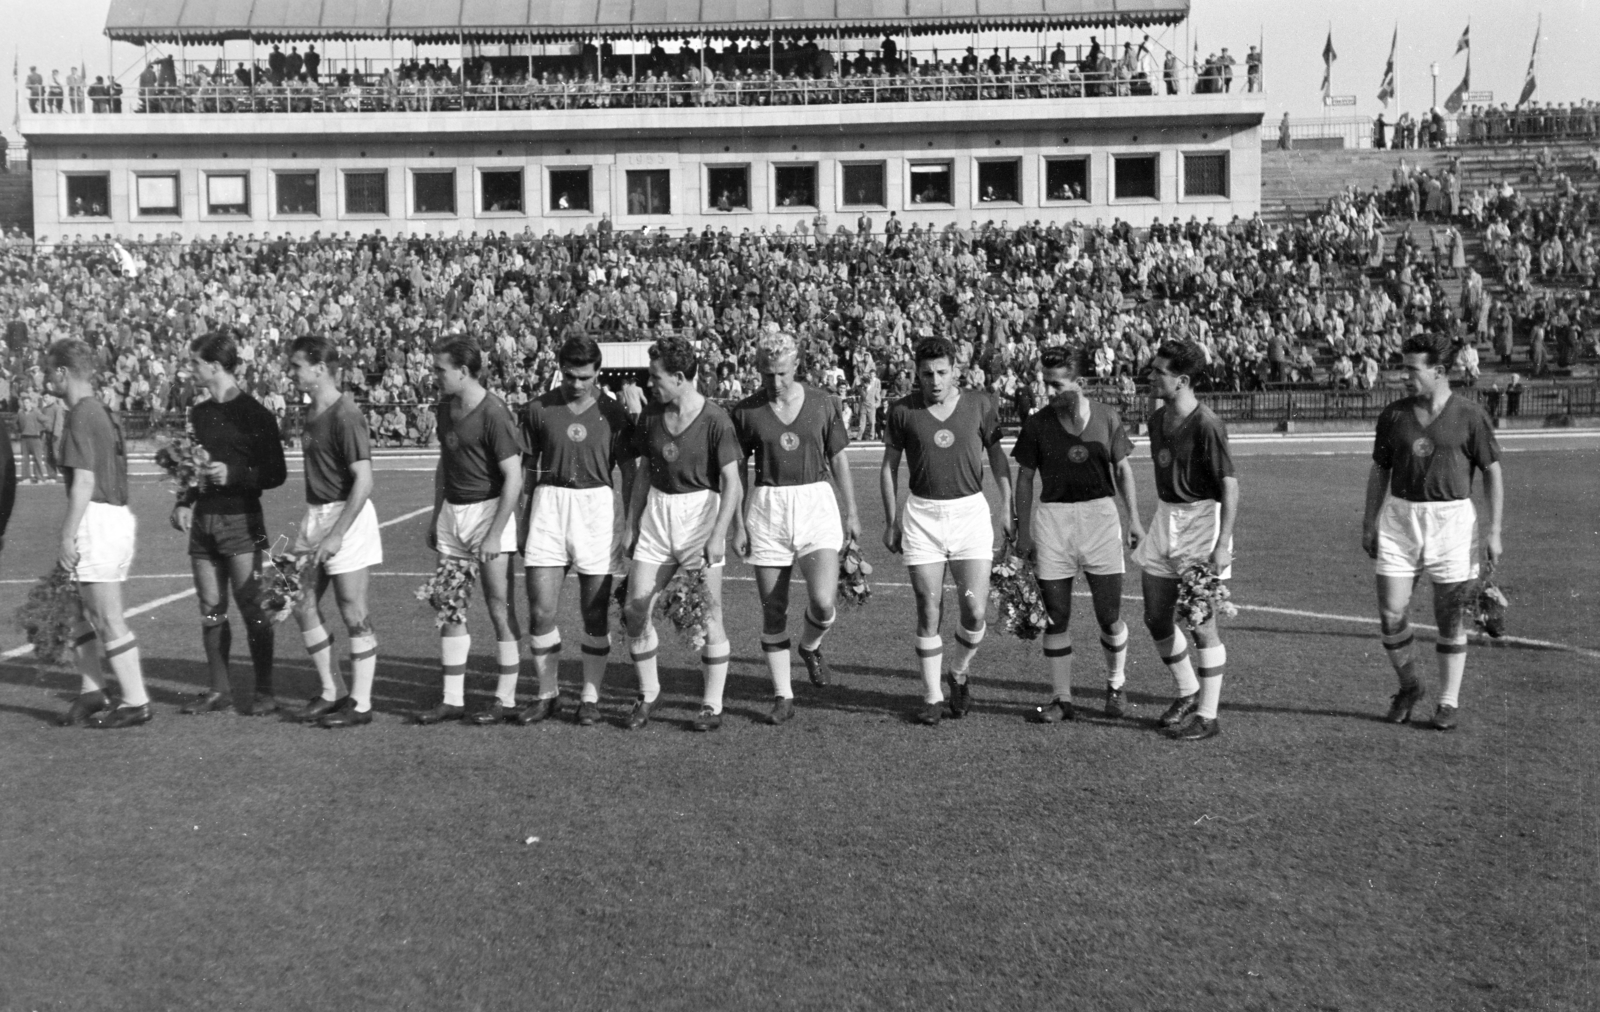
x=333, y=440
x=692, y=460
x=1192, y=460
x=797, y=453
x=945, y=458
x=91, y=441
x=472, y=445
x=242, y=434
x=574, y=450
x=1073, y=468
x=1434, y=462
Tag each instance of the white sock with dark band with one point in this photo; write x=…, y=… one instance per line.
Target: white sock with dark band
x=967, y=641
x=775, y=647
x=812, y=630
x=1174, y=653
x=1452, y=657
x=453, y=652
x=545, y=649
x=123, y=656
x=714, y=658
x=319, y=647
x=1212, y=660
x=1115, y=647
x=86, y=655
x=509, y=655
x=363, y=669
x=1398, y=645
x=930, y=658
x=644, y=651
x=1058, y=658
x=596, y=650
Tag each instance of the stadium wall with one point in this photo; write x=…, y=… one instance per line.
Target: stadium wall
x=966, y=138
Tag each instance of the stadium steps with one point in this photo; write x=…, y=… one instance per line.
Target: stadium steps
x=16, y=200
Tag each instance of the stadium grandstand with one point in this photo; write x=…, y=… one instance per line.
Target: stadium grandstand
x=523, y=115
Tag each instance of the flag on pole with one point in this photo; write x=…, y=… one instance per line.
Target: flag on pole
x=1328, y=56
x=1531, y=81
x=1458, y=98
x=1464, y=42
x=1386, y=89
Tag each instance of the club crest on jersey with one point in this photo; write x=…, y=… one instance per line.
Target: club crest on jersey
x=1078, y=454
x=577, y=433
x=944, y=439
x=789, y=441
x=452, y=440
x=1422, y=446
x=1164, y=458
x=669, y=452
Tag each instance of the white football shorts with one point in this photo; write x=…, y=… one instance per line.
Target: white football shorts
x=1078, y=537
x=571, y=527
x=105, y=541
x=946, y=530
x=788, y=522
x=1437, y=538
x=1180, y=535
x=675, y=528
x=363, y=544
x=460, y=530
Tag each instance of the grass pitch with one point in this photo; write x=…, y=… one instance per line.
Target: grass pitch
x=1310, y=858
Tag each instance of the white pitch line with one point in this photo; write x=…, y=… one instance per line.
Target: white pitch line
x=140, y=609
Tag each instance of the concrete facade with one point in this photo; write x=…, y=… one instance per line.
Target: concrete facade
x=950, y=143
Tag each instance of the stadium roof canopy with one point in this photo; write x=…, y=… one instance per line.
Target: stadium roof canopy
x=211, y=21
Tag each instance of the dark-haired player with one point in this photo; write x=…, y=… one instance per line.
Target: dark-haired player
x=340, y=530
x=97, y=542
x=575, y=438
x=1420, y=518
x=227, y=532
x=798, y=438
x=680, y=518
x=1080, y=450
x=475, y=493
x=1193, y=524
x=944, y=433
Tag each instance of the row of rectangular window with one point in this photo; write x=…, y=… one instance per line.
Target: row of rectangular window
x=297, y=192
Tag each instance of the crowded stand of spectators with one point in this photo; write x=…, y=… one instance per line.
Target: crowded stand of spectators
x=1479, y=125
x=798, y=71
x=1269, y=304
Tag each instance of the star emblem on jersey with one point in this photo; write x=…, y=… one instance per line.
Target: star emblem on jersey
x=789, y=441
x=452, y=440
x=577, y=433
x=1078, y=454
x=669, y=452
x=944, y=439
x=1422, y=446
x=1164, y=458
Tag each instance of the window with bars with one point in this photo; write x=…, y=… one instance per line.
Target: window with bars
x=366, y=192
x=1205, y=174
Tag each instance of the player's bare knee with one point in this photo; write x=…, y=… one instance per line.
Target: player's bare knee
x=636, y=615
x=355, y=618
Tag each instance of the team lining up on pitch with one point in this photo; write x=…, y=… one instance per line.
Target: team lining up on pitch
x=694, y=492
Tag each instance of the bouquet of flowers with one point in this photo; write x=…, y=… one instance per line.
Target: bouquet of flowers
x=853, y=573
x=185, y=461
x=1014, y=596
x=1202, y=595
x=1487, y=608
x=49, y=615
x=449, y=590
x=686, y=602
x=281, y=583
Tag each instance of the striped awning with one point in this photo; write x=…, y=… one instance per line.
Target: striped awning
x=203, y=21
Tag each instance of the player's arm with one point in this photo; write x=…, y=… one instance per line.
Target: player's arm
x=888, y=487
x=360, y=492
x=1377, y=485
x=438, y=504
x=79, y=494
x=727, y=510
x=1222, y=555
x=1494, y=487
x=741, y=537
x=846, y=484
x=1128, y=493
x=636, y=503
x=1000, y=464
x=1025, y=476
x=505, y=508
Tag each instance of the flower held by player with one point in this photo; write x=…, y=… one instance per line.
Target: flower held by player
x=1014, y=594
x=686, y=602
x=1202, y=594
x=853, y=573
x=49, y=615
x=449, y=590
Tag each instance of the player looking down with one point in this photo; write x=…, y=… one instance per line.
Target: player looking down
x=340, y=530
x=575, y=438
x=1420, y=518
x=475, y=492
x=97, y=543
x=797, y=436
x=1198, y=500
x=680, y=518
x=1080, y=451
x=226, y=528
x=944, y=432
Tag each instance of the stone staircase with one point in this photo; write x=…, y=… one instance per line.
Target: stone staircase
x=16, y=200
